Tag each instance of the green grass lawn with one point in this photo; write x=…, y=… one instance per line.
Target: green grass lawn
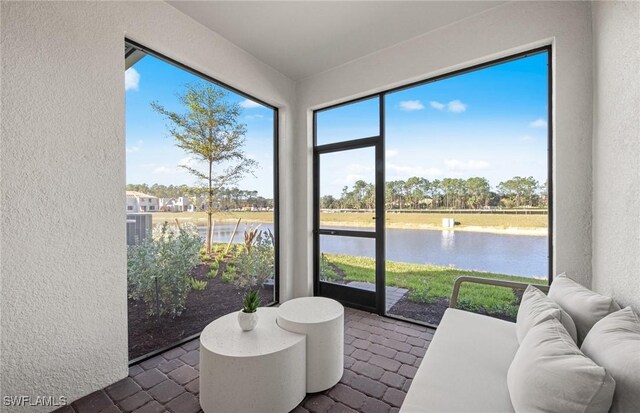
x=428, y=283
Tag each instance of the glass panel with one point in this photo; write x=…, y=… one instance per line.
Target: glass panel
x=466, y=173
x=177, y=287
x=348, y=122
x=347, y=189
x=348, y=260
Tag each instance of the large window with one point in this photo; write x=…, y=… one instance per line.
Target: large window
x=466, y=190
x=201, y=200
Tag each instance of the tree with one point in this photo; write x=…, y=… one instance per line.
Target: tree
x=416, y=189
x=518, y=191
x=478, y=192
x=209, y=131
x=435, y=190
x=454, y=191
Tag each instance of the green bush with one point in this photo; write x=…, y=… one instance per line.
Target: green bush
x=229, y=274
x=255, y=264
x=213, y=269
x=197, y=285
x=159, y=267
x=327, y=273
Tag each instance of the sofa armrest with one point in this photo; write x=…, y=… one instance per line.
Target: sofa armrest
x=489, y=281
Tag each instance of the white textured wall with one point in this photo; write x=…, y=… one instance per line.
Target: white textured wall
x=501, y=31
x=616, y=151
x=63, y=268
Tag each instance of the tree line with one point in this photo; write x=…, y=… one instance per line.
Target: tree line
x=225, y=198
x=420, y=193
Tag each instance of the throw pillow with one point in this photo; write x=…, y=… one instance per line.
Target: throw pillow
x=583, y=305
x=550, y=374
x=535, y=308
x=614, y=343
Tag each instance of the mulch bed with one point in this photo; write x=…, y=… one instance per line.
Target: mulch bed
x=427, y=313
x=431, y=313
x=217, y=299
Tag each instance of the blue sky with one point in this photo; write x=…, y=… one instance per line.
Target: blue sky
x=152, y=156
x=490, y=123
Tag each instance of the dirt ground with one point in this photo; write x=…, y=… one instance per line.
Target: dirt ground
x=430, y=313
x=202, y=307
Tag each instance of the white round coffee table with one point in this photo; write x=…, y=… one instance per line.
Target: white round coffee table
x=322, y=321
x=262, y=370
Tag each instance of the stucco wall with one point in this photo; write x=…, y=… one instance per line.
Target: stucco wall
x=498, y=32
x=63, y=269
x=616, y=151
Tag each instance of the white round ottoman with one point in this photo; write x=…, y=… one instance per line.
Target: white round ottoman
x=322, y=320
x=262, y=370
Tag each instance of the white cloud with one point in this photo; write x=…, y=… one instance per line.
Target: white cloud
x=391, y=153
x=135, y=148
x=411, y=105
x=248, y=104
x=538, y=123
x=165, y=170
x=457, y=165
x=253, y=117
x=352, y=178
x=348, y=180
x=409, y=171
x=456, y=106
x=131, y=79
x=356, y=168
x=525, y=138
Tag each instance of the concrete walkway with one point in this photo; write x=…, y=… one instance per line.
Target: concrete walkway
x=392, y=296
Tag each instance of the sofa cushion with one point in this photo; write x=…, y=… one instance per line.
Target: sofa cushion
x=583, y=305
x=465, y=367
x=550, y=374
x=535, y=308
x=614, y=343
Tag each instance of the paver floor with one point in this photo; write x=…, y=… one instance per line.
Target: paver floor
x=381, y=356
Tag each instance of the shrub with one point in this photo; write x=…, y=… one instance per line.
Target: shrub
x=256, y=263
x=229, y=274
x=327, y=273
x=197, y=285
x=159, y=267
x=213, y=269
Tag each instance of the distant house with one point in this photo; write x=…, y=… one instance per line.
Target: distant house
x=141, y=202
x=179, y=204
x=167, y=204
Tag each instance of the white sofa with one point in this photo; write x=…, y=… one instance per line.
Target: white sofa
x=465, y=367
x=476, y=363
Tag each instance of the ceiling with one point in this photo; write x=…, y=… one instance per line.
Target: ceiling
x=303, y=38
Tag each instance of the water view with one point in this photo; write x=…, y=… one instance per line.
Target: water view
x=521, y=255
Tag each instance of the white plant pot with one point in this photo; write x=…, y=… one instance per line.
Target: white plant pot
x=247, y=321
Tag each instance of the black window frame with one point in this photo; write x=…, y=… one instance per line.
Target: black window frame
x=130, y=48
x=380, y=207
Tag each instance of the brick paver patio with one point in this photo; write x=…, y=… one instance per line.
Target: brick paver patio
x=381, y=356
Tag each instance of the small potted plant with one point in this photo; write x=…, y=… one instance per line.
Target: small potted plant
x=248, y=316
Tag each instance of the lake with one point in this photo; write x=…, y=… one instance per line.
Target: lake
x=506, y=254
